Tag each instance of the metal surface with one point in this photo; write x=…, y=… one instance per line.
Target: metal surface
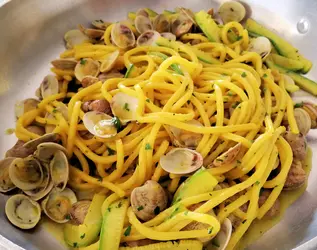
x=32, y=35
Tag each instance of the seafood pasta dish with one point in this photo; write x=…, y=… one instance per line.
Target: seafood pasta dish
x=163, y=131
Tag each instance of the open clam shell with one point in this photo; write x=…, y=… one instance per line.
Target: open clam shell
x=25, y=106
x=57, y=205
x=100, y=24
x=222, y=238
x=124, y=107
x=143, y=24
x=64, y=63
x=260, y=45
x=86, y=67
x=27, y=173
x=49, y=86
x=161, y=23
x=44, y=188
x=122, y=36
x=91, y=33
x=181, y=25
x=169, y=36
x=22, y=211
x=303, y=120
x=181, y=161
x=32, y=145
x=46, y=151
x=99, y=124
x=59, y=170
x=5, y=182
x=148, y=38
x=75, y=37
x=183, y=138
x=108, y=62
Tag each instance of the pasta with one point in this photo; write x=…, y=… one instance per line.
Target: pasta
x=216, y=104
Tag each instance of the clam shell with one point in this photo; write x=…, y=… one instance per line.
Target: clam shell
x=5, y=182
x=124, y=107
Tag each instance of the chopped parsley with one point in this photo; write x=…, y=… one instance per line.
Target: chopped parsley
x=83, y=61
x=236, y=104
x=82, y=236
x=75, y=244
x=139, y=208
x=257, y=183
x=109, y=209
x=116, y=122
x=238, y=161
x=126, y=106
x=210, y=230
x=239, y=38
x=100, y=178
x=188, y=102
x=67, y=217
x=299, y=105
x=157, y=210
x=148, y=146
x=111, y=151
x=119, y=205
x=127, y=231
x=54, y=110
x=186, y=212
x=244, y=74
x=147, y=100
x=230, y=93
x=265, y=75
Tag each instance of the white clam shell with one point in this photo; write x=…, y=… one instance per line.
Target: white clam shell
x=124, y=107
x=5, y=182
x=260, y=45
x=86, y=67
x=181, y=161
x=22, y=211
x=108, y=62
x=223, y=236
x=148, y=38
x=99, y=124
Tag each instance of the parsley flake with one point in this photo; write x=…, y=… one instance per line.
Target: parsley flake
x=75, y=244
x=186, y=213
x=210, y=230
x=67, y=217
x=116, y=122
x=83, y=61
x=82, y=236
x=54, y=110
x=127, y=231
x=299, y=105
x=126, y=107
x=238, y=161
x=236, y=104
x=239, y=38
x=109, y=209
x=148, y=146
x=119, y=205
x=147, y=100
x=157, y=210
x=139, y=208
x=265, y=75
x=244, y=74
x=257, y=183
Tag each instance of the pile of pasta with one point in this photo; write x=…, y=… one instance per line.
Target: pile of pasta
x=204, y=92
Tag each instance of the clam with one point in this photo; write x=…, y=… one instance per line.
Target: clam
x=148, y=38
x=46, y=151
x=181, y=25
x=260, y=45
x=79, y=211
x=183, y=138
x=122, y=36
x=232, y=11
x=303, y=120
x=25, y=106
x=112, y=74
x=227, y=157
x=161, y=23
x=86, y=67
x=49, y=128
x=64, y=63
x=27, y=173
x=18, y=150
x=100, y=124
x=89, y=80
x=143, y=24
x=181, y=161
x=169, y=36
x=312, y=111
x=100, y=24
x=59, y=170
x=91, y=33
x=108, y=62
x=222, y=238
x=190, y=15
x=36, y=129
x=32, y=144
x=22, y=211
x=142, y=12
x=5, y=182
x=57, y=205
x=148, y=200
x=49, y=86
x=124, y=107
x=75, y=37
x=44, y=188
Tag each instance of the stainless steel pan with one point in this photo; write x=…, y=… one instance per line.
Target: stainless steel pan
x=31, y=35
